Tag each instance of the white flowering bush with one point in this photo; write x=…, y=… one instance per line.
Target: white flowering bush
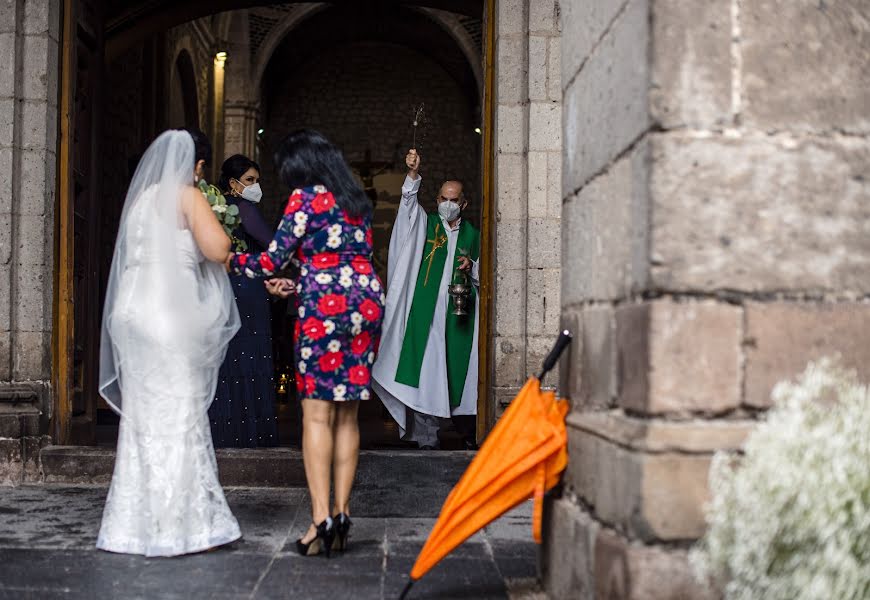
x=790, y=519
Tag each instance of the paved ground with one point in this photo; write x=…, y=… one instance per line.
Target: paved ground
x=47, y=535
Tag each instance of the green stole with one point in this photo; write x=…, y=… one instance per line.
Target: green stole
x=460, y=330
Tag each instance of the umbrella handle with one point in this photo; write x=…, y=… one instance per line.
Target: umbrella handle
x=553, y=357
x=407, y=589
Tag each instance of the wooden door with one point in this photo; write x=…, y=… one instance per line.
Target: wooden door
x=77, y=315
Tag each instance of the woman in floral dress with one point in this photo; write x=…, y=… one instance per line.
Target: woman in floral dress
x=327, y=224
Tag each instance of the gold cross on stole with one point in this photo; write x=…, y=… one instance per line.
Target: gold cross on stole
x=437, y=241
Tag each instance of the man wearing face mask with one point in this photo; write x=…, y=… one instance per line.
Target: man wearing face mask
x=426, y=369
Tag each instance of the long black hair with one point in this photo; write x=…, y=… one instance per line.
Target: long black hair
x=306, y=158
x=201, y=145
x=233, y=168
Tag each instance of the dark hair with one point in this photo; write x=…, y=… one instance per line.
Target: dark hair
x=201, y=145
x=306, y=158
x=233, y=168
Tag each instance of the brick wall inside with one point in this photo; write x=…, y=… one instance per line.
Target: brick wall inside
x=361, y=96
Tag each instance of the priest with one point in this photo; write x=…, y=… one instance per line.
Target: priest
x=426, y=370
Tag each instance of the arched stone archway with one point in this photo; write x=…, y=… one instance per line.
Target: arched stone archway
x=183, y=96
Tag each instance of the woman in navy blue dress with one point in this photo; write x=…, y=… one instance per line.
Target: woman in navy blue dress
x=243, y=412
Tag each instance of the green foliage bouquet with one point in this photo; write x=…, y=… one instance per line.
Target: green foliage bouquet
x=790, y=519
x=227, y=214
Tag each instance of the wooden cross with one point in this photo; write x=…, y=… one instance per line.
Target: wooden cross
x=437, y=242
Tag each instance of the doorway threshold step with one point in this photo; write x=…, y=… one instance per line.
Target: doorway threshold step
x=268, y=467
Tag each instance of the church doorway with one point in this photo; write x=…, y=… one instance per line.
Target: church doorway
x=355, y=70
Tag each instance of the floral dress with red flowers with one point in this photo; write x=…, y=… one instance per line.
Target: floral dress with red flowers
x=340, y=300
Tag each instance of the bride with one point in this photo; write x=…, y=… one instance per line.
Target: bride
x=168, y=317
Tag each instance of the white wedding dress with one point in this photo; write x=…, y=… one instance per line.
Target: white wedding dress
x=168, y=317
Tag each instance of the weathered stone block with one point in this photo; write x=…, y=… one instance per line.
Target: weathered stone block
x=554, y=184
x=569, y=540
x=5, y=355
x=606, y=105
x=537, y=349
x=11, y=467
x=545, y=126
x=654, y=496
x=36, y=16
x=36, y=188
x=510, y=297
x=17, y=421
x=544, y=243
x=543, y=16
x=510, y=187
x=598, y=362
x=538, y=184
x=570, y=366
x=811, y=75
x=509, y=360
x=7, y=121
x=6, y=182
x=697, y=436
x=5, y=294
x=782, y=337
x=760, y=214
x=554, y=70
x=634, y=572
x=691, y=63
x=6, y=238
x=510, y=245
x=36, y=61
x=30, y=449
x=32, y=299
x=511, y=17
x=30, y=244
x=604, y=233
x=510, y=70
x=538, y=89
x=39, y=129
x=31, y=355
x=543, y=308
x=679, y=356
x=7, y=65
x=583, y=26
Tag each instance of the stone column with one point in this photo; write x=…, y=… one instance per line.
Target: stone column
x=715, y=238
x=528, y=199
x=240, y=106
x=29, y=33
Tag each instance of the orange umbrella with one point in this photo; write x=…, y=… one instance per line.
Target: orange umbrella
x=522, y=457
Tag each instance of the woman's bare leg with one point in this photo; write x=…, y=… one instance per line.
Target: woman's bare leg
x=318, y=421
x=346, y=453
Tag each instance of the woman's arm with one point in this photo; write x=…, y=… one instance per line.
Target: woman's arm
x=291, y=230
x=207, y=231
x=254, y=223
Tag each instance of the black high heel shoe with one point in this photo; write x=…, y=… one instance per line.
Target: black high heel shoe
x=342, y=531
x=322, y=541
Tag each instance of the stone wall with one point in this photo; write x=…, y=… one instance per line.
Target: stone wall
x=29, y=33
x=528, y=168
x=716, y=237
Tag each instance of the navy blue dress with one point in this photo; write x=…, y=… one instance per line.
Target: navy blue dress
x=243, y=412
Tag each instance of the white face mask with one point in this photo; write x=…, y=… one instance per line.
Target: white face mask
x=252, y=193
x=449, y=210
